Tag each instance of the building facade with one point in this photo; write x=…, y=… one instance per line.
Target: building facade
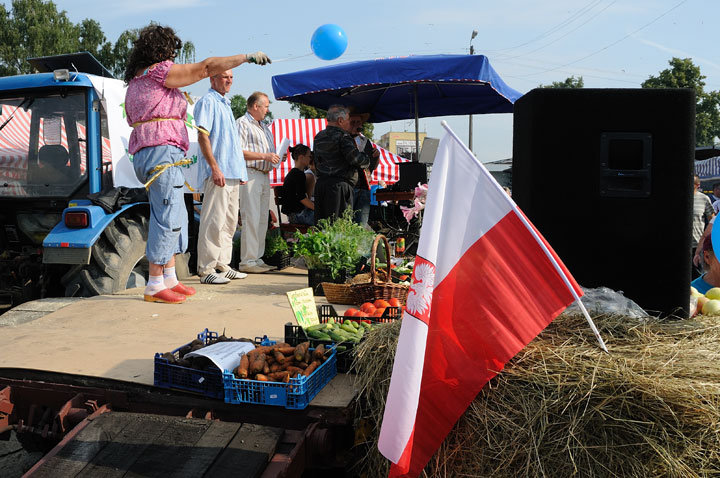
x=401, y=143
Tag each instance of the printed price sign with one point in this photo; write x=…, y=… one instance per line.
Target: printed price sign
x=302, y=303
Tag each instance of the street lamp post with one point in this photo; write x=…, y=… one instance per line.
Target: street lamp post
x=472, y=52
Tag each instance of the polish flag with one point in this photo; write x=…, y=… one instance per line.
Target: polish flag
x=484, y=285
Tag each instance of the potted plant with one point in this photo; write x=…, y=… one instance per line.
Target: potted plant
x=333, y=250
x=277, y=251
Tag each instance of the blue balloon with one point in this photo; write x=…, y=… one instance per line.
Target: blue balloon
x=328, y=42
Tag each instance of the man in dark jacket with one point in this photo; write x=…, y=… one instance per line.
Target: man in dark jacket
x=337, y=160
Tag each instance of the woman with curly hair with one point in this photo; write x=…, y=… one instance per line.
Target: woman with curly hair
x=156, y=109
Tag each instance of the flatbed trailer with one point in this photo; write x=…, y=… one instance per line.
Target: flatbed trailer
x=92, y=426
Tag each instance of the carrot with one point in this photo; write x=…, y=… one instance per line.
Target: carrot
x=280, y=345
x=262, y=378
x=258, y=365
x=311, y=368
x=266, y=368
x=293, y=370
x=242, y=370
x=300, y=351
x=319, y=352
x=278, y=356
x=279, y=376
x=252, y=355
x=289, y=350
x=302, y=365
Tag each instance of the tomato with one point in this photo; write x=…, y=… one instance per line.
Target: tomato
x=367, y=307
x=379, y=312
x=351, y=312
x=361, y=314
x=395, y=302
x=381, y=303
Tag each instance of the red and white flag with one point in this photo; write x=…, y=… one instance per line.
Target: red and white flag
x=482, y=288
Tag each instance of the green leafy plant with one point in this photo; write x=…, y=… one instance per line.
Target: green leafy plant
x=336, y=245
x=274, y=242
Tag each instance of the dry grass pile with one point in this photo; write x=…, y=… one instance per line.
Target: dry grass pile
x=562, y=407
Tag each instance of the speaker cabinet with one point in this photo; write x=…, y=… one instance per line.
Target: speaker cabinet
x=606, y=176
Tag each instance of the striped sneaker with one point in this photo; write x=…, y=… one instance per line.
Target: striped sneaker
x=214, y=279
x=233, y=274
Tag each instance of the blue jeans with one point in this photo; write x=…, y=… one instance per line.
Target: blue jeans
x=168, y=227
x=361, y=206
x=306, y=216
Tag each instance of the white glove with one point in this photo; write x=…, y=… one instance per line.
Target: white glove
x=259, y=58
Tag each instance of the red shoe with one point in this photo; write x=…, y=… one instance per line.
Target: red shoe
x=166, y=296
x=181, y=288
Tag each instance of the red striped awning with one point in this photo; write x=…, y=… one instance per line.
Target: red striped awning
x=304, y=131
x=15, y=140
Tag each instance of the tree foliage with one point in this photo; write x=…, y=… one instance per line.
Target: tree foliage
x=683, y=73
x=571, y=82
x=34, y=28
x=310, y=112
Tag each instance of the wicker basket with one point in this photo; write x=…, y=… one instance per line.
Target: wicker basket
x=376, y=289
x=339, y=293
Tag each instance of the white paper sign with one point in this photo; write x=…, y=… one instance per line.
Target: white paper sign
x=283, y=152
x=225, y=355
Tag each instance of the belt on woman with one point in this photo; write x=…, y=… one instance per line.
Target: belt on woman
x=187, y=123
x=161, y=168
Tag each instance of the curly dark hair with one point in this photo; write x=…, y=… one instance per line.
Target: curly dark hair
x=155, y=43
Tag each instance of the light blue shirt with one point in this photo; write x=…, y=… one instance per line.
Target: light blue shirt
x=213, y=112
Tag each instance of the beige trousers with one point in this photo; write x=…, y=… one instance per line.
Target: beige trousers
x=254, y=207
x=218, y=222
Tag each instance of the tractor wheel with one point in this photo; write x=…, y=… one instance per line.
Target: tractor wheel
x=117, y=260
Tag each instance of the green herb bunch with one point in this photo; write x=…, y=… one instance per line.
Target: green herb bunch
x=336, y=245
x=274, y=242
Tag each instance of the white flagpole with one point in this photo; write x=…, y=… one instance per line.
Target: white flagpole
x=535, y=235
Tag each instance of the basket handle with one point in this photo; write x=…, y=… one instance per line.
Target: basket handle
x=373, y=253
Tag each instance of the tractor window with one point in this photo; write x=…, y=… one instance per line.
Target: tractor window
x=42, y=145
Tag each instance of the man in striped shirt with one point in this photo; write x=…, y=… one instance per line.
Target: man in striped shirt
x=258, y=147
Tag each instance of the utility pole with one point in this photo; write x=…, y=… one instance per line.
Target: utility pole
x=472, y=52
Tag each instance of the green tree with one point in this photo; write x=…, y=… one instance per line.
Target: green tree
x=571, y=82
x=310, y=112
x=33, y=28
x=683, y=73
x=238, y=103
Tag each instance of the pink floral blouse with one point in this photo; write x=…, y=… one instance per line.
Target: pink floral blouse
x=147, y=98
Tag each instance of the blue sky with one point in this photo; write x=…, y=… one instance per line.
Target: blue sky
x=610, y=43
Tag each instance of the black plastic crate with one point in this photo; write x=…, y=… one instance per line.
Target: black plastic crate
x=280, y=259
x=207, y=382
x=326, y=311
x=294, y=334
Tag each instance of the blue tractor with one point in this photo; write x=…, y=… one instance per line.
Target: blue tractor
x=54, y=152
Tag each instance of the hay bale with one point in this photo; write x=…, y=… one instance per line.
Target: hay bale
x=562, y=407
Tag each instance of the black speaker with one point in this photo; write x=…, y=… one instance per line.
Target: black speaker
x=410, y=174
x=606, y=176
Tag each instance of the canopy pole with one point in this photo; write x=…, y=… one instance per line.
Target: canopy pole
x=417, y=125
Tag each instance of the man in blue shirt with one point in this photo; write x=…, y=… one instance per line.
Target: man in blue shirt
x=223, y=167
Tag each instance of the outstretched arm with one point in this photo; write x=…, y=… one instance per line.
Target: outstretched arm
x=181, y=75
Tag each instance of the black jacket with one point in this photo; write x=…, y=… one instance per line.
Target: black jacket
x=337, y=156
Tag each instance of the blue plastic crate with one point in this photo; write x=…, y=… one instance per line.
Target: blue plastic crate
x=296, y=394
x=207, y=382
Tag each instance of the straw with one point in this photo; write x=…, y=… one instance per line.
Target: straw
x=562, y=407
